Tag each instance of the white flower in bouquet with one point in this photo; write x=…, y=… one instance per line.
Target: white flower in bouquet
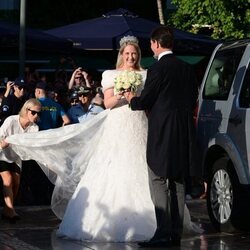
x=128, y=80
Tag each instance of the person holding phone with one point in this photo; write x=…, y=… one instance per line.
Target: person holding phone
x=13, y=99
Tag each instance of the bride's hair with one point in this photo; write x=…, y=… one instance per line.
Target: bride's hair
x=129, y=40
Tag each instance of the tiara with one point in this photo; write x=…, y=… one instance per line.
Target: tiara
x=127, y=39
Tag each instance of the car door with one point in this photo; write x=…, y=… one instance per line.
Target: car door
x=239, y=119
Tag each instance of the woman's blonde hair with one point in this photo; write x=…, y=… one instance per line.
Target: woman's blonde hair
x=125, y=41
x=28, y=105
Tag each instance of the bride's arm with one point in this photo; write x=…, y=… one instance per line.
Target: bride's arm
x=111, y=100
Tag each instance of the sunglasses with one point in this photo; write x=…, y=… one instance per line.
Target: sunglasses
x=78, y=77
x=74, y=101
x=33, y=112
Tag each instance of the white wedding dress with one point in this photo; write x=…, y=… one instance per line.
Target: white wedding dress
x=100, y=172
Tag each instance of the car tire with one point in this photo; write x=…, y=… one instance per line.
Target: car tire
x=223, y=197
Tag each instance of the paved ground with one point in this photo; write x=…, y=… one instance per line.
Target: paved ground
x=36, y=231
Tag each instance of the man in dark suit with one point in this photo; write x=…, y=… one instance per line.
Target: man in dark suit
x=169, y=97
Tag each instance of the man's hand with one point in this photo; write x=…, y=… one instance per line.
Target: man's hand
x=129, y=95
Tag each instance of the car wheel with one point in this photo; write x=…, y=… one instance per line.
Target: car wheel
x=222, y=201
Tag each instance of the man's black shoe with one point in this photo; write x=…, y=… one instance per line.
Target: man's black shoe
x=175, y=242
x=155, y=243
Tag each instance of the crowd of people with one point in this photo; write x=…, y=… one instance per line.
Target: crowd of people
x=80, y=89
x=120, y=175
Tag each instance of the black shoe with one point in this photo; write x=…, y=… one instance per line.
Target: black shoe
x=155, y=243
x=175, y=242
x=12, y=219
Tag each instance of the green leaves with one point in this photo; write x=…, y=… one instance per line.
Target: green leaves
x=223, y=18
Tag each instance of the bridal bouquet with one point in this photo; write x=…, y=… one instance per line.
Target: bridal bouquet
x=128, y=80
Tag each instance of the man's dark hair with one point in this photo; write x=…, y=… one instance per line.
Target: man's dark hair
x=164, y=35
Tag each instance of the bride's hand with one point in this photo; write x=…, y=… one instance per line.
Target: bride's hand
x=119, y=95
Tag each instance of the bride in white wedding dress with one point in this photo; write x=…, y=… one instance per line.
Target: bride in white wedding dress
x=99, y=167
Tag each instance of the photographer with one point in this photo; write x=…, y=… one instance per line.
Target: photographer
x=13, y=99
x=79, y=78
x=76, y=110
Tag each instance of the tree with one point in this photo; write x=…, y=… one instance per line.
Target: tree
x=160, y=12
x=224, y=18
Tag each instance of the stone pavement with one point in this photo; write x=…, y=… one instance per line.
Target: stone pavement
x=36, y=231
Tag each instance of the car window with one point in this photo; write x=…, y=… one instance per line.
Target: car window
x=221, y=73
x=244, y=100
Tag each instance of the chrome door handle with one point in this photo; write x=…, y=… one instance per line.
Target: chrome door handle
x=236, y=120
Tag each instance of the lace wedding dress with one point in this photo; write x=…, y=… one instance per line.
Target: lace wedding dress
x=100, y=172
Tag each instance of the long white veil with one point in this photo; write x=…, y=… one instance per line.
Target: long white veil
x=58, y=152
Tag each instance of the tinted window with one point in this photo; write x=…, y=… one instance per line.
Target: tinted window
x=222, y=72
x=245, y=91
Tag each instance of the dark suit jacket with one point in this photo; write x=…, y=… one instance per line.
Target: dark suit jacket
x=170, y=95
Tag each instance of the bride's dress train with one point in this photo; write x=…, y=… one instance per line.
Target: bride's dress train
x=105, y=170
x=113, y=195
